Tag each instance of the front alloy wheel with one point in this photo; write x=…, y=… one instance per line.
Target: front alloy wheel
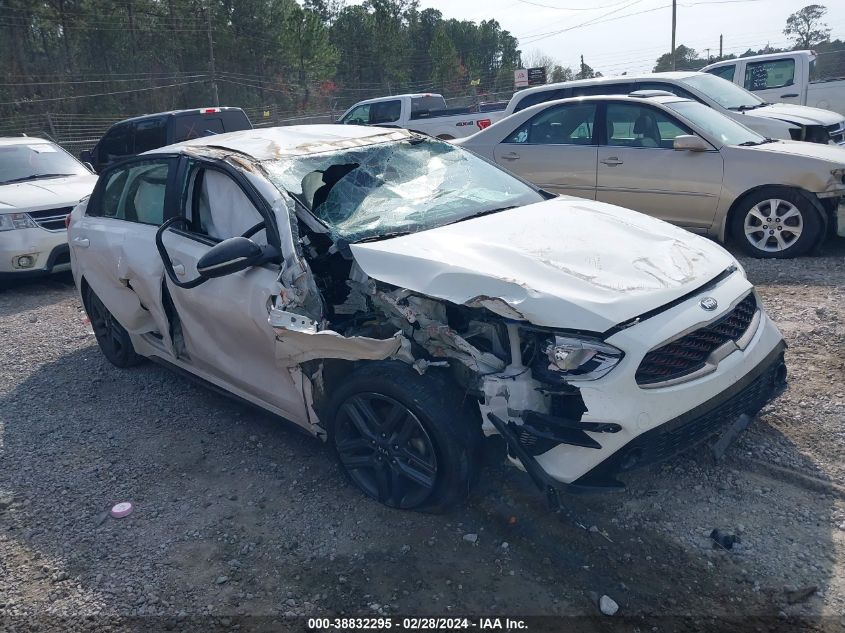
x=409, y=441
x=386, y=450
x=773, y=225
x=777, y=222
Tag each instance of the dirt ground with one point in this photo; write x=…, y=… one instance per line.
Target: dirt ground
x=241, y=522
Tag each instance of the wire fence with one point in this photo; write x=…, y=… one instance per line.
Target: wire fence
x=77, y=132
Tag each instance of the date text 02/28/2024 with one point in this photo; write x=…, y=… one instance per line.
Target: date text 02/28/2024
x=415, y=624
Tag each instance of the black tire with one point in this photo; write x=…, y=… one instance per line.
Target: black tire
x=408, y=441
x=790, y=229
x=113, y=340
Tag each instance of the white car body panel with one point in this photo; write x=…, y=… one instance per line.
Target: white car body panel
x=447, y=126
x=39, y=195
x=826, y=94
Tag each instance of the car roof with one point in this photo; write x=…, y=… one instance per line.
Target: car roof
x=155, y=115
x=412, y=95
x=22, y=140
x=662, y=99
x=763, y=57
x=676, y=75
x=292, y=140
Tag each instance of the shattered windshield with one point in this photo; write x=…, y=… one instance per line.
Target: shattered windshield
x=393, y=188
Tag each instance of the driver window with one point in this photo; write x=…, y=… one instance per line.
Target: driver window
x=217, y=207
x=631, y=125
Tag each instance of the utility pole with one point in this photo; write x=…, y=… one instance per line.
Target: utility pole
x=708, y=55
x=674, y=16
x=720, y=47
x=211, y=58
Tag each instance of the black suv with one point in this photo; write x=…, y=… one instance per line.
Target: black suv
x=151, y=131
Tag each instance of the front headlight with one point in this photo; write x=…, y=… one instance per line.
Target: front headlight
x=569, y=358
x=12, y=221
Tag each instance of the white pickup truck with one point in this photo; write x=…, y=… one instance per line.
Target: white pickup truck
x=784, y=78
x=425, y=113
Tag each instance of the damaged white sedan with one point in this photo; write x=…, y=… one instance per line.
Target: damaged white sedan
x=402, y=299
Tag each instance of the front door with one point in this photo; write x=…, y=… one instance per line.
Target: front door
x=639, y=169
x=555, y=149
x=774, y=80
x=223, y=323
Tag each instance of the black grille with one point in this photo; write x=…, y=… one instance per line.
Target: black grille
x=51, y=219
x=836, y=132
x=676, y=436
x=689, y=353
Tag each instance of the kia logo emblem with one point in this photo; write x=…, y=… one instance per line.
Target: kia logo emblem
x=709, y=304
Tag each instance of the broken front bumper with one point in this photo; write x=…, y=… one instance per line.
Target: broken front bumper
x=626, y=425
x=746, y=397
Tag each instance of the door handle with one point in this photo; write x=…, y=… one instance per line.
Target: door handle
x=612, y=161
x=511, y=156
x=81, y=242
x=791, y=94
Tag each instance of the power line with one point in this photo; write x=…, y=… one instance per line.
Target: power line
x=101, y=94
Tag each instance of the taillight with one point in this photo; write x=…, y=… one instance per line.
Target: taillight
x=67, y=220
x=483, y=123
x=210, y=110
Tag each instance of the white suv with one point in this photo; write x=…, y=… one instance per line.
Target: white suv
x=40, y=183
x=400, y=297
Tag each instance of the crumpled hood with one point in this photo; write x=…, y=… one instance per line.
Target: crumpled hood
x=791, y=113
x=567, y=263
x=47, y=193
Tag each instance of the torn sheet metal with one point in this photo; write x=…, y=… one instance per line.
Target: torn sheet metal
x=559, y=263
x=298, y=340
x=293, y=140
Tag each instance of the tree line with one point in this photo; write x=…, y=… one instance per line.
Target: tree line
x=148, y=55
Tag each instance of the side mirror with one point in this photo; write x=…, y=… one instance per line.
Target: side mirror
x=85, y=156
x=229, y=256
x=690, y=143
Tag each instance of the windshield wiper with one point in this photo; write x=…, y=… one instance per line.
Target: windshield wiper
x=485, y=212
x=34, y=177
x=743, y=108
x=382, y=236
x=754, y=143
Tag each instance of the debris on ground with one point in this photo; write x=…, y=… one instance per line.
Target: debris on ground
x=608, y=605
x=120, y=510
x=794, y=596
x=723, y=539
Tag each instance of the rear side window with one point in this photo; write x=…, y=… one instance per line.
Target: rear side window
x=134, y=193
x=570, y=124
x=196, y=126
x=116, y=144
x=150, y=135
x=422, y=106
x=725, y=72
x=603, y=89
x=775, y=73
x=385, y=112
x=541, y=97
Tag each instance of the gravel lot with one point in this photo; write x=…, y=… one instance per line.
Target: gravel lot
x=237, y=514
